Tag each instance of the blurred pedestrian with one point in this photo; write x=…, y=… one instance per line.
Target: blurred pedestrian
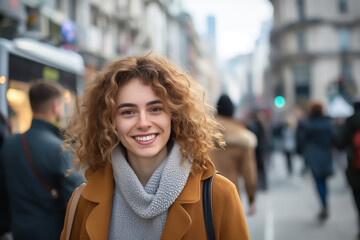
x=144, y=131
x=288, y=133
x=348, y=139
x=255, y=125
x=300, y=137
x=318, y=142
x=34, y=164
x=4, y=128
x=4, y=204
x=238, y=157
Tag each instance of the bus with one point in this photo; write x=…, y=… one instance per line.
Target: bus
x=23, y=60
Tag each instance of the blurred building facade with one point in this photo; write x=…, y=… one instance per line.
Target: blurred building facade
x=315, y=46
x=102, y=30
x=245, y=75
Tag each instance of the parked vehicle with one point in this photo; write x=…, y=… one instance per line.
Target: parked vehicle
x=24, y=60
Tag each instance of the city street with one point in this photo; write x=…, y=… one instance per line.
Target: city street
x=288, y=209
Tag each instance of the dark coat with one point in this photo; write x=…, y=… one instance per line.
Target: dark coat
x=300, y=136
x=4, y=205
x=318, y=140
x=35, y=214
x=344, y=141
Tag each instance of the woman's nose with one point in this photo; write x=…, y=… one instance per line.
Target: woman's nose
x=144, y=121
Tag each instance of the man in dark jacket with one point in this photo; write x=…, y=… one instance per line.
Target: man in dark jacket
x=344, y=140
x=31, y=163
x=4, y=204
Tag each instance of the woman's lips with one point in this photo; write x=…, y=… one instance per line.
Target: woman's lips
x=145, y=139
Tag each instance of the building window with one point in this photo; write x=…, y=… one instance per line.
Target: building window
x=73, y=10
x=343, y=7
x=300, y=41
x=301, y=10
x=346, y=71
x=301, y=77
x=344, y=39
x=94, y=16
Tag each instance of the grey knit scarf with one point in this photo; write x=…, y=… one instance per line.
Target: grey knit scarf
x=140, y=212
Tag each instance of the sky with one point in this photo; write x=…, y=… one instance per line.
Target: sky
x=238, y=22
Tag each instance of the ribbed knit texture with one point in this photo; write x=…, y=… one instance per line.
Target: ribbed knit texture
x=140, y=212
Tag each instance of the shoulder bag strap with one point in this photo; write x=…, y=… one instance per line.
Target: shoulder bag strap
x=72, y=209
x=52, y=190
x=207, y=208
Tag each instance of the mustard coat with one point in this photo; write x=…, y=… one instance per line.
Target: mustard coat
x=185, y=217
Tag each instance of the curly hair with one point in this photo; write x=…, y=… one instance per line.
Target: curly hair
x=91, y=132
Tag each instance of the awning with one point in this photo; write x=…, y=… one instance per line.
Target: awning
x=13, y=9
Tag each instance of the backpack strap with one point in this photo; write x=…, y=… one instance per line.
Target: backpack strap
x=54, y=193
x=207, y=208
x=72, y=209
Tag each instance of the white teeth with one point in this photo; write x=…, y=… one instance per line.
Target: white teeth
x=147, y=138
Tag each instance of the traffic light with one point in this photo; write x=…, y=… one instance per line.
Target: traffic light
x=279, y=101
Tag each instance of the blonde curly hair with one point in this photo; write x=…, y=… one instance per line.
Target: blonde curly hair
x=91, y=133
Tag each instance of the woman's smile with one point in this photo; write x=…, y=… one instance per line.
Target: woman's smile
x=145, y=139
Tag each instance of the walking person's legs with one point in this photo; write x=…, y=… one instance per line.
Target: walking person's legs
x=322, y=191
x=356, y=194
x=289, y=162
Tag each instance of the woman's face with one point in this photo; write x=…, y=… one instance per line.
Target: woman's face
x=141, y=122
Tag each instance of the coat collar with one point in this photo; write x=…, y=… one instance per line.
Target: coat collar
x=99, y=190
x=100, y=186
x=192, y=191
x=178, y=220
x=37, y=123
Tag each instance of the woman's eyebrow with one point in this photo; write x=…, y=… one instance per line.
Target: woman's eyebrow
x=126, y=105
x=134, y=105
x=153, y=102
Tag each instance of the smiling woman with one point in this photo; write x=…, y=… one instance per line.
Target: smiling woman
x=143, y=127
x=143, y=132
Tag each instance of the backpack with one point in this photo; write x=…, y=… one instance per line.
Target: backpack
x=356, y=149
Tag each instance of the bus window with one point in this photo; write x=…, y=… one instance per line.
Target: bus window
x=20, y=113
x=19, y=106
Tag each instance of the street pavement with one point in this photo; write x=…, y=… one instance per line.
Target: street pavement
x=288, y=209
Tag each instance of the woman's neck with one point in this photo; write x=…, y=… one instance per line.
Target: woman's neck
x=144, y=167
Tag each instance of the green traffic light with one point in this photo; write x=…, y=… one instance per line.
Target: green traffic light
x=279, y=101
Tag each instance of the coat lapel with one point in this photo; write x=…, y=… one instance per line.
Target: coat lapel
x=177, y=223
x=99, y=190
x=97, y=224
x=178, y=220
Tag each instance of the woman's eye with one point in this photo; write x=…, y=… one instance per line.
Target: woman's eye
x=127, y=112
x=156, y=109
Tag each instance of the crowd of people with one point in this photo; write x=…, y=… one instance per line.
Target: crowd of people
x=315, y=137
x=148, y=142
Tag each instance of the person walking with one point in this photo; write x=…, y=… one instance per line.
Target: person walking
x=299, y=137
x=318, y=141
x=256, y=126
x=4, y=202
x=35, y=160
x=349, y=139
x=144, y=131
x=238, y=157
x=288, y=133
